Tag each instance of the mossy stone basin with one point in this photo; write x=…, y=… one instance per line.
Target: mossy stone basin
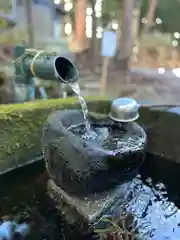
x=20, y=143
x=21, y=128
x=81, y=164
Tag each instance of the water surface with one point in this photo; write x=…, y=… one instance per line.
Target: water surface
x=155, y=201
x=110, y=138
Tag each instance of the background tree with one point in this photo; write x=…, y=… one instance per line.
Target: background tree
x=112, y=9
x=167, y=11
x=150, y=14
x=93, y=39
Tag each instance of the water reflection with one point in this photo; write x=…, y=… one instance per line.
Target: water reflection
x=155, y=215
x=153, y=198
x=111, y=138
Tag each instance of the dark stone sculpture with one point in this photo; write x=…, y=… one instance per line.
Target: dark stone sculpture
x=80, y=166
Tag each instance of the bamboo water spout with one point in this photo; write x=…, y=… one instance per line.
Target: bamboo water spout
x=45, y=66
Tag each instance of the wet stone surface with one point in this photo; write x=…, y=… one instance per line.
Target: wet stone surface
x=154, y=200
x=83, y=162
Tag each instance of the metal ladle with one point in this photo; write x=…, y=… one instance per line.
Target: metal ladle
x=126, y=109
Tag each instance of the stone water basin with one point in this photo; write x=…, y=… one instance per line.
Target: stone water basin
x=83, y=163
x=152, y=195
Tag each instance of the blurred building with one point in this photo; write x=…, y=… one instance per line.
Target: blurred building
x=44, y=18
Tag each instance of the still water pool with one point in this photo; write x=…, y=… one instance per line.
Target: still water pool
x=155, y=201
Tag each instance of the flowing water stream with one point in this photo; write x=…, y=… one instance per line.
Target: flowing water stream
x=75, y=87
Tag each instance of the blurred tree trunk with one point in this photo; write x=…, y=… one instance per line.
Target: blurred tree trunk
x=125, y=47
x=52, y=13
x=80, y=15
x=94, y=26
x=62, y=23
x=28, y=12
x=150, y=15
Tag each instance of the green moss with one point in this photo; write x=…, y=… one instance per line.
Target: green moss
x=21, y=127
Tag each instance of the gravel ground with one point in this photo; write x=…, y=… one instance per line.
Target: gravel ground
x=140, y=83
